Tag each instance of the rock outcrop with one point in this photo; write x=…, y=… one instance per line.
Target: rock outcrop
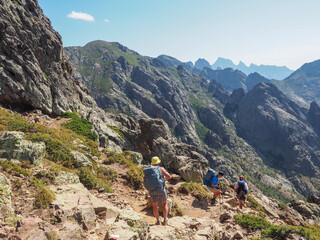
x=13, y=145
x=35, y=72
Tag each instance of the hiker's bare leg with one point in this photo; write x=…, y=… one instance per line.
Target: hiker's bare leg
x=165, y=209
x=155, y=210
x=216, y=194
x=240, y=204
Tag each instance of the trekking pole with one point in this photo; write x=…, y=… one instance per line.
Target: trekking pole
x=220, y=202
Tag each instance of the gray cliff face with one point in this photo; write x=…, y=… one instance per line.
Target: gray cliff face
x=35, y=72
x=278, y=128
x=314, y=116
x=34, y=69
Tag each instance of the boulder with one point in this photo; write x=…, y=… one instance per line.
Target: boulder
x=74, y=201
x=314, y=199
x=129, y=225
x=31, y=229
x=238, y=235
x=86, y=217
x=81, y=159
x=14, y=146
x=66, y=178
x=225, y=217
x=137, y=157
x=308, y=210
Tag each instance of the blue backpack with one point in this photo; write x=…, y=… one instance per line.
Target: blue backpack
x=153, y=180
x=207, y=178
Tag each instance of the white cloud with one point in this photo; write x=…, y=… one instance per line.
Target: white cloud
x=81, y=16
x=106, y=20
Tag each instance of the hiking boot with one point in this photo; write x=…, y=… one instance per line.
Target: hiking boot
x=213, y=202
x=165, y=222
x=158, y=222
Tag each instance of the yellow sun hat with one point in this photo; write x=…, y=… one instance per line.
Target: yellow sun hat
x=155, y=160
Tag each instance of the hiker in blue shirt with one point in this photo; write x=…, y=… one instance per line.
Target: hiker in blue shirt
x=215, y=187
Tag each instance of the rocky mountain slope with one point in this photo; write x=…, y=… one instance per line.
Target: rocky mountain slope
x=279, y=128
x=197, y=111
x=79, y=175
x=303, y=85
x=97, y=193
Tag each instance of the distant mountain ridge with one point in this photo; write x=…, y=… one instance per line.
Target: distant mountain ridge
x=303, y=86
x=267, y=71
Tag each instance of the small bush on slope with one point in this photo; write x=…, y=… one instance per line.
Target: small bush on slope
x=43, y=197
x=93, y=182
x=80, y=126
x=134, y=173
x=274, y=231
x=195, y=189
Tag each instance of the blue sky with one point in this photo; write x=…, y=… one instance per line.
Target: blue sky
x=272, y=32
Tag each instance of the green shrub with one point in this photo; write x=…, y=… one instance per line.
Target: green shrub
x=113, y=157
x=176, y=210
x=135, y=177
x=87, y=178
x=43, y=197
x=93, y=182
x=15, y=168
x=20, y=124
x=195, y=189
x=274, y=231
x=46, y=177
x=251, y=221
x=80, y=126
x=52, y=235
x=56, y=149
x=107, y=173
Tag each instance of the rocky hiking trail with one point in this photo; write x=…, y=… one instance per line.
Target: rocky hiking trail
x=76, y=206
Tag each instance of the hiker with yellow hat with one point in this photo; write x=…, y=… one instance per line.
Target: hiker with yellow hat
x=155, y=184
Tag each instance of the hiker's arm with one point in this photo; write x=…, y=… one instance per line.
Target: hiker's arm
x=165, y=173
x=235, y=187
x=246, y=186
x=216, y=186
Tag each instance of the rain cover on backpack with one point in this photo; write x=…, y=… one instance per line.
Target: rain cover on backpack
x=153, y=180
x=207, y=178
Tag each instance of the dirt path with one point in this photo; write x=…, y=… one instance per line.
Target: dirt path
x=137, y=199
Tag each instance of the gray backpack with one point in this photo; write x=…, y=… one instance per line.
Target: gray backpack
x=153, y=180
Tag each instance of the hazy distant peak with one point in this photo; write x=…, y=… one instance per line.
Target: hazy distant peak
x=268, y=71
x=201, y=63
